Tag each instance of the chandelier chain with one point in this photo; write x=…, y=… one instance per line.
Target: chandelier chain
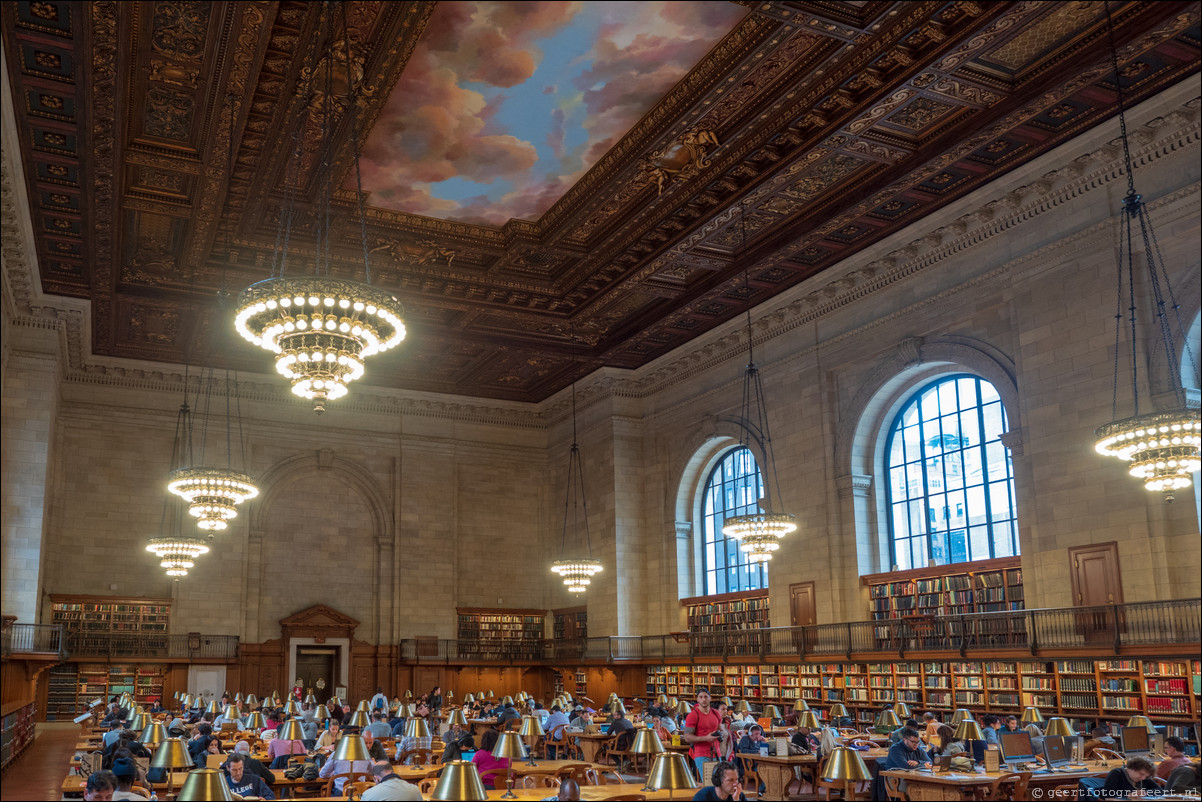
x=321, y=265
x=351, y=102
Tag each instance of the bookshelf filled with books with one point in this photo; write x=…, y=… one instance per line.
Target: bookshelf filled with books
x=728, y=611
x=570, y=622
x=1077, y=689
x=500, y=633
x=981, y=586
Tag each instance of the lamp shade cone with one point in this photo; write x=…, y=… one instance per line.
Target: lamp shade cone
x=808, y=718
x=901, y=709
x=772, y=712
x=405, y=711
x=213, y=707
x=363, y=707
x=742, y=706
x=417, y=728
x=450, y=694
x=1141, y=721
x=140, y=722
x=230, y=713
x=969, y=730
x=618, y=707
x=310, y=699
x=293, y=708
x=1059, y=726
x=467, y=700
x=1031, y=715
x=351, y=747
x=175, y=696
x=726, y=701
x=682, y=709
x=888, y=719
x=489, y=695
x=321, y=712
x=459, y=780
x=508, y=700
x=612, y=695
x=531, y=728
x=662, y=699
x=252, y=700
x=801, y=705
x=291, y=730
x=672, y=702
x=256, y=721
x=846, y=765
x=359, y=720
x=205, y=784
x=961, y=715
x=153, y=735
x=646, y=742
x=509, y=745
x=172, y=754
x=408, y=694
x=670, y=772
x=187, y=701
x=457, y=718
x=838, y=710
x=239, y=698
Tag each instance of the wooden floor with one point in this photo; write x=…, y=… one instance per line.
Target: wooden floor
x=39, y=772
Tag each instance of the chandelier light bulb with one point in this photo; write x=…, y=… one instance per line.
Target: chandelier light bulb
x=759, y=534
x=212, y=494
x=322, y=330
x=177, y=554
x=577, y=574
x=1164, y=448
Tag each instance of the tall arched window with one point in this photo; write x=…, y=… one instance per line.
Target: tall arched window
x=951, y=482
x=734, y=488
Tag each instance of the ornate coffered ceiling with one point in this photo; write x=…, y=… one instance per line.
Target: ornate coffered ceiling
x=833, y=124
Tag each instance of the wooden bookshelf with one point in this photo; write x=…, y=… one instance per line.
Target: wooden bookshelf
x=727, y=611
x=976, y=587
x=90, y=622
x=18, y=727
x=500, y=633
x=570, y=622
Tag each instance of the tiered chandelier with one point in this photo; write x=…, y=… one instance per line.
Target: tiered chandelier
x=1163, y=447
x=759, y=533
x=577, y=572
x=177, y=554
x=322, y=329
x=212, y=492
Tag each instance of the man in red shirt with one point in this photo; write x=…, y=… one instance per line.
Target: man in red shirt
x=701, y=732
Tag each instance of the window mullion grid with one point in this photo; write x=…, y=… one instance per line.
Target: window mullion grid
x=986, y=484
x=926, y=487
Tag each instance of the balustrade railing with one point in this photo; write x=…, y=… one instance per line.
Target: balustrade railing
x=145, y=646
x=34, y=639
x=1106, y=630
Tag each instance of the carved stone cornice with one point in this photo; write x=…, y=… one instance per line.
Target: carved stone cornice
x=1013, y=440
x=683, y=529
x=855, y=485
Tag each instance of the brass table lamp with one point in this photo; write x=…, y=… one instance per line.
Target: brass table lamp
x=969, y=730
x=457, y=718
x=531, y=731
x=204, y=785
x=171, y=754
x=351, y=748
x=291, y=730
x=772, y=713
x=459, y=780
x=683, y=708
x=838, y=710
x=646, y=742
x=901, y=709
x=887, y=720
x=359, y=720
x=252, y=700
x=1031, y=715
x=153, y=735
x=1142, y=721
x=670, y=772
x=809, y=719
x=961, y=715
x=256, y=721
x=509, y=745
x=1060, y=726
x=846, y=766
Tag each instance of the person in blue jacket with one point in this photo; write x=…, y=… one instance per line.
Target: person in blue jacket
x=907, y=753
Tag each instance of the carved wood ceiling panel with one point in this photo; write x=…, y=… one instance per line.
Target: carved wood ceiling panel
x=832, y=124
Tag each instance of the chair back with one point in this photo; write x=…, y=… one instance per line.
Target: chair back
x=893, y=789
x=537, y=780
x=355, y=790
x=1007, y=786
x=427, y=785
x=349, y=777
x=749, y=772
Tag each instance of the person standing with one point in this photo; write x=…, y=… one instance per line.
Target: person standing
x=701, y=732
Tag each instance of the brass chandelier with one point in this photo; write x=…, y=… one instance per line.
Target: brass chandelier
x=1163, y=447
x=577, y=572
x=759, y=533
x=322, y=329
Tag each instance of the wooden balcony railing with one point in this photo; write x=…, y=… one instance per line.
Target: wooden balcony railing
x=1106, y=630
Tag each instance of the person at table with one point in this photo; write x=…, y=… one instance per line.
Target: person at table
x=907, y=753
x=335, y=712
x=156, y=706
x=991, y=725
x=110, y=737
x=1132, y=780
x=703, y=733
x=212, y=747
x=410, y=743
x=484, y=759
x=126, y=773
x=805, y=740
x=931, y=725
x=726, y=729
x=1174, y=749
x=949, y=744
x=176, y=727
x=333, y=767
x=1010, y=725
x=251, y=764
x=661, y=732
x=1099, y=737
x=581, y=718
x=556, y=718
x=896, y=735
x=101, y=786
x=1037, y=737
x=389, y=786
x=1185, y=779
x=274, y=721
x=280, y=749
x=128, y=742
x=379, y=701
x=241, y=781
x=506, y=713
x=750, y=744
x=435, y=700
x=329, y=738
x=374, y=747
x=222, y=720
x=724, y=785
x=569, y=791
x=379, y=727
x=618, y=724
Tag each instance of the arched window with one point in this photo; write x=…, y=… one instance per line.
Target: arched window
x=951, y=482
x=734, y=488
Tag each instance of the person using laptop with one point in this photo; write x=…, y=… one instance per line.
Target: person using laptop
x=907, y=753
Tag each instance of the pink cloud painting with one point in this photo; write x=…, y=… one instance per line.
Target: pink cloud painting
x=504, y=105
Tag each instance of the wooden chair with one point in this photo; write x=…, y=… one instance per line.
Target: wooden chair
x=537, y=780
x=1010, y=786
x=349, y=777
x=848, y=732
x=1064, y=793
x=893, y=790
x=577, y=771
x=749, y=772
x=513, y=725
x=594, y=777
x=498, y=777
x=427, y=785
x=420, y=757
x=355, y=790
x=1100, y=753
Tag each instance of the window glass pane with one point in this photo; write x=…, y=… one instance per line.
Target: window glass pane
x=734, y=488
x=951, y=476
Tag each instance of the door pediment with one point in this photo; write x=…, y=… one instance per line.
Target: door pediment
x=318, y=621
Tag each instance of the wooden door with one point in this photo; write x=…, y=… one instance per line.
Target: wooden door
x=801, y=604
x=313, y=664
x=1097, y=583
x=426, y=679
x=1095, y=573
